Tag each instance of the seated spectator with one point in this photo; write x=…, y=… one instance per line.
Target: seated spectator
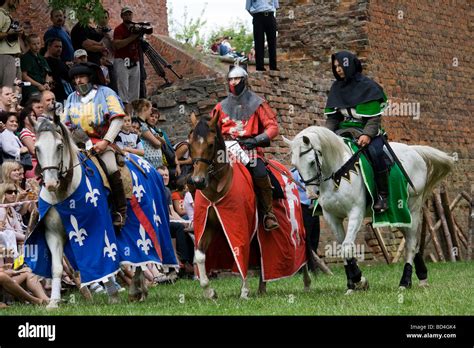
x=178, y=198
x=182, y=244
x=35, y=69
x=183, y=154
x=48, y=99
x=80, y=56
x=105, y=69
x=128, y=141
x=13, y=173
x=189, y=203
x=11, y=282
x=6, y=98
x=27, y=136
x=136, y=126
x=58, y=30
x=215, y=45
x=59, y=70
x=10, y=144
x=11, y=228
x=152, y=142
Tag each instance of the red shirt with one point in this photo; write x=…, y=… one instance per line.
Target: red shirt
x=131, y=50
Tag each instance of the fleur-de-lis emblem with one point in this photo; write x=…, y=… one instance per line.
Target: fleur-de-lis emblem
x=156, y=217
x=91, y=195
x=138, y=190
x=109, y=249
x=144, y=243
x=144, y=164
x=79, y=233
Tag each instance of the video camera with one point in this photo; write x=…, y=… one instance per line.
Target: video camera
x=140, y=28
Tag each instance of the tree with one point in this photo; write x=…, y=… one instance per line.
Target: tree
x=188, y=31
x=242, y=39
x=81, y=10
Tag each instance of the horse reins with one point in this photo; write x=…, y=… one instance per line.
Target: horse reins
x=211, y=164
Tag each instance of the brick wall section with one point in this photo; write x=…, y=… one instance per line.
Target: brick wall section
x=154, y=11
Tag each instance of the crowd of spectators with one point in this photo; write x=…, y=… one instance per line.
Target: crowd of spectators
x=34, y=82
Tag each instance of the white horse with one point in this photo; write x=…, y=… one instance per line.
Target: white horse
x=59, y=164
x=318, y=153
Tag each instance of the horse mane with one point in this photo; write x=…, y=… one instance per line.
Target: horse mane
x=202, y=130
x=326, y=141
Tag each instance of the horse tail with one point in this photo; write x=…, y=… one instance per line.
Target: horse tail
x=438, y=164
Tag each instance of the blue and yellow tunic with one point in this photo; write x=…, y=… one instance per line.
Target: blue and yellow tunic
x=94, y=111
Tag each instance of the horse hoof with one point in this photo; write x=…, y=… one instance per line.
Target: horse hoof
x=114, y=299
x=423, y=283
x=307, y=289
x=52, y=305
x=210, y=294
x=244, y=297
x=349, y=292
x=262, y=292
x=363, y=284
x=402, y=288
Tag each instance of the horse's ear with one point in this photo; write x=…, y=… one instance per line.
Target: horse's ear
x=286, y=140
x=214, y=117
x=194, y=119
x=306, y=140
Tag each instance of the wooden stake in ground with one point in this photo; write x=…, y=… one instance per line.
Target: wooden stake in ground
x=447, y=235
x=434, y=238
x=320, y=263
x=450, y=221
x=399, y=251
x=471, y=229
x=378, y=235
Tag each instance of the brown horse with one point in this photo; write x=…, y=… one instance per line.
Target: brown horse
x=214, y=178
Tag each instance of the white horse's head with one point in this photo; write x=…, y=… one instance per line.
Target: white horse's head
x=53, y=152
x=304, y=156
x=313, y=150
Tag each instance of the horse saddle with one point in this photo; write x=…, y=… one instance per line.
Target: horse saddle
x=124, y=173
x=277, y=190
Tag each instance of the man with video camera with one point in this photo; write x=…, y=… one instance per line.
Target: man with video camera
x=127, y=57
x=10, y=49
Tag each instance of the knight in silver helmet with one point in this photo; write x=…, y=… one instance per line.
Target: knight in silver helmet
x=246, y=117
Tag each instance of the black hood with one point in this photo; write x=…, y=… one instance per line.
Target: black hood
x=355, y=88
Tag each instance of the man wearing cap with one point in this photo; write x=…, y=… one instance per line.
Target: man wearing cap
x=264, y=23
x=246, y=117
x=80, y=56
x=98, y=111
x=126, y=59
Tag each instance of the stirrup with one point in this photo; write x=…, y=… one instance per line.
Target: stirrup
x=119, y=220
x=382, y=203
x=265, y=219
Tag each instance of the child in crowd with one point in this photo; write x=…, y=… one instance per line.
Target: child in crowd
x=128, y=140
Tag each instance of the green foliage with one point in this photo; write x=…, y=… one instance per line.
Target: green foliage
x=241, y=39
x=189, y=30
x=81, y=10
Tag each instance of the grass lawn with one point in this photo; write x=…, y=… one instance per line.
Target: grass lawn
x=451, y=292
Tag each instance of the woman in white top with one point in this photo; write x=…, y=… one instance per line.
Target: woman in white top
x=11, y=145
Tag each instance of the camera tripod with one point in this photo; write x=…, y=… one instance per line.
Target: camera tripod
x=158, y=62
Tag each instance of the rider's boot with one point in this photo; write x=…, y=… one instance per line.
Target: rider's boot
x=381, y=181
x=263, y=189
x=119, y=200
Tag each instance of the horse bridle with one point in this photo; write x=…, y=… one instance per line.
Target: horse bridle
x=211, y=171
x=318, y=178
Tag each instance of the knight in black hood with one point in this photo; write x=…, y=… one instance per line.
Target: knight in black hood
x=246, y=117
x=356, y=101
